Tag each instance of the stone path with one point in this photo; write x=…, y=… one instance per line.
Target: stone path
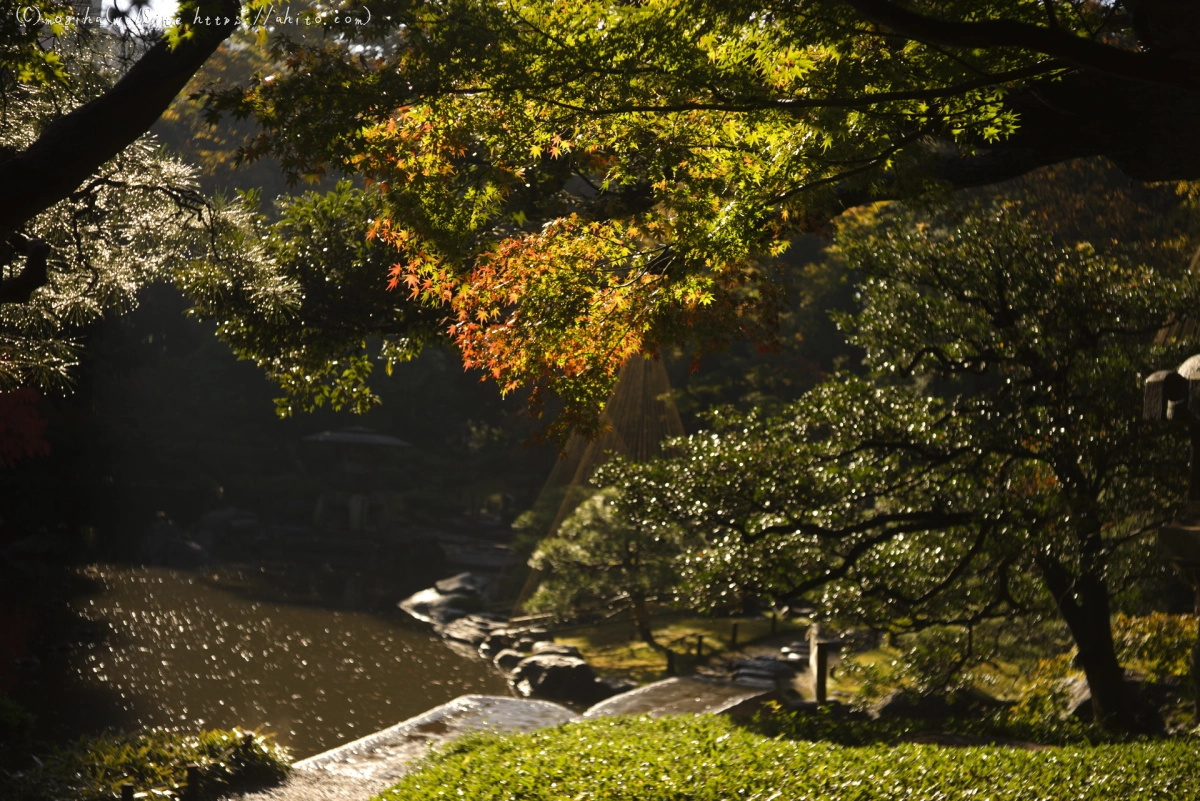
x=364, y=768
x=678, y=696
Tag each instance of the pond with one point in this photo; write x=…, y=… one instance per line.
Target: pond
x=204, y=649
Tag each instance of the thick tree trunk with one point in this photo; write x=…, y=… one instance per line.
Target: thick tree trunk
x=1084, y=605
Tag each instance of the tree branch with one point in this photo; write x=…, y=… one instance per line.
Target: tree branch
x=1053, y=42
x=74, y=146
x=804, y=103
x=901, y=522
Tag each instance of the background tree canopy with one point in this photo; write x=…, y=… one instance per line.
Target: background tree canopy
x=138, y=218
x=569, y=184
x=554, y=187
x=992, y=463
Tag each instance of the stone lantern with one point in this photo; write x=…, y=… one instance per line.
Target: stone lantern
x=352, y=463
x=1174, y=395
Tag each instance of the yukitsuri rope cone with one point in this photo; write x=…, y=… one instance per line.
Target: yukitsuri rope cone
x=639, y=417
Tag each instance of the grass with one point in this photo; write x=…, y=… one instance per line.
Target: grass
x=709, y=758
x=154, y=761
x=610, y=650
x=998, y=678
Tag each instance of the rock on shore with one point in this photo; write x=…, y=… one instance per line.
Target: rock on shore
x=536, y=666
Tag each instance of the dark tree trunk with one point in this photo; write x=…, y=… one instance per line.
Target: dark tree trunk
x=641, y=621
x=1196, y=652
x=1084, y=605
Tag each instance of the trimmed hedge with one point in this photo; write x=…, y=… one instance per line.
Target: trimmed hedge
x=827, y=725
x=710, y=758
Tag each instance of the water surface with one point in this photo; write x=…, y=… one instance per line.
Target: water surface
x=201, y=650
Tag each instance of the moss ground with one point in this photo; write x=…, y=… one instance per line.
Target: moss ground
x=612, y=651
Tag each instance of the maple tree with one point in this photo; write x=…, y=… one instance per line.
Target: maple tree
x=565, y=184
x=575, y=182
x=690, y=139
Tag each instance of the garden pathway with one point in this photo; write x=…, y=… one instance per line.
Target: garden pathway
x=361, y=769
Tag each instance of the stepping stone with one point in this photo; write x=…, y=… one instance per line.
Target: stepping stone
x=677, y=696
x=464, y=584
x=796, y=651
x=765, y=665
x=562, y=649
x=473, y=629
x=754, y=678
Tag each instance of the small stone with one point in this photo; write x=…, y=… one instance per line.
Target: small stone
x=556, y=648
x=472, y=629
x=508, y=659
x=496, y=642
x=464, y=584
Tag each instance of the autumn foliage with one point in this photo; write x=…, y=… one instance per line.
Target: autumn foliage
x=556, y=305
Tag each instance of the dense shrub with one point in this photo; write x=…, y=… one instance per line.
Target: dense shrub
x=1014, y=724
x=1159, y=643
x=94, y=768
x=709, y=757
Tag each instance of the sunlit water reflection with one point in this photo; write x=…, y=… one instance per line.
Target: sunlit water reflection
x=184, y=651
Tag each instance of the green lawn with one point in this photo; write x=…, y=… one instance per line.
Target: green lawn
x=709, y=758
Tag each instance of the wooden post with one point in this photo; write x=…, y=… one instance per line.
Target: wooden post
x=820, y=666
x=818, y=684
x=733, y=638
x=699, y=646
x=670, y=662
x=126, y=792
x=774, y=623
